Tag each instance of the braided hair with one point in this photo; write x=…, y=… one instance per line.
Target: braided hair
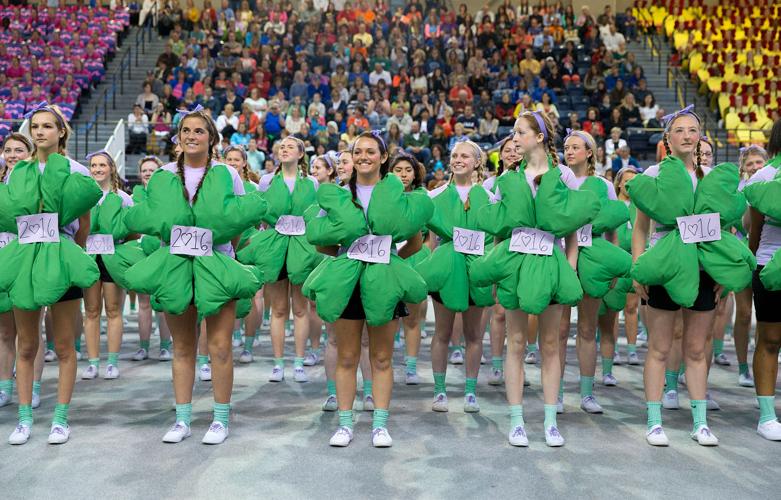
x=16, y=136
x=480, y=158
x=698, y=171
x=246, y=173
x=214, y=139
x=384, y=166
x=591, y=145
x=540, y=124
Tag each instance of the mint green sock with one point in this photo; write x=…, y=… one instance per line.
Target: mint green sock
x=279, y=362
x=380, y=419
x=37, y=387
x=266, y=314
x=532, y=347
x=94, y=362
x=699, y=413
x=682, y=368
x=298, y=362
x=49, y=345
x=718, y=347
x=767, y=408
x=165, y=344
x=586, y=386
x=331, y=387
x=367, y=388
x=497, y=362
x=7, y=386
x=607, y=366
x=184, y=413
x=346, y=418
x=26, y=415
x=598, y=336
x=248, y=341
x=61, y=414
x=671, y=380
x=743, y=368
x=470, y=386
x=222, y=413
x=236, y=334
x=202, y=359
x=113, y=359
x=516, y=415
x=630, y=348
x=561, y=388
x=550, y=415
x=77, y=344
x=654, y=413
x=144, y=344
x=412, y=364
x=439, y=383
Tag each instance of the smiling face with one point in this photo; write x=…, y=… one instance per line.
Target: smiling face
x=706, y=154
x=15, y=151
x=753, y=163
x=463, y=161
x=194, y=136
x=404, y=170
x=368, y=157
x=344, y=167
x=509, y=154
x=147, y=169
x=235, y=159
x=101, y=170
x=321, y=171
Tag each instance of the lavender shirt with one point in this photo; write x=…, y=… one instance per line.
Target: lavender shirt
x=770, y=239
x=567, y=177
x=265, y=182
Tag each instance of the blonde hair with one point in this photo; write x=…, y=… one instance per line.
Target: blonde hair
x=62, y=126
x=302, y=166
x=479, y=155
x=116, y=184
x=549, y=132
x=591, y=144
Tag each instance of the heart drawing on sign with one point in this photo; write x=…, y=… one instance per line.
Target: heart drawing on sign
x=187, y=238
x=34, y=228
x=692, y=228
x=526, y=239
x=362, y=247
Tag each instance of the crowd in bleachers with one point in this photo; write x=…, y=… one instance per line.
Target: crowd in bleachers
x=53, y=54
x=425, y=75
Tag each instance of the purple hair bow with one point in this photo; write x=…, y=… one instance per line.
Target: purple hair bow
x=184, y=112
x=688, y=110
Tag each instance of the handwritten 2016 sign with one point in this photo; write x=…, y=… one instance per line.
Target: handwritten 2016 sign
x=532, y=241
x=100, y=244
x=291, y=225
x=699, y=228
x=6, y=238
x=371, y=248
x=468, y=241
x=190, y=240
x=584, y=236
x=38, y=228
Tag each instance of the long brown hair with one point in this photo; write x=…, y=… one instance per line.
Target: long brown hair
x=698, y=171
x=62, y=126
x=16, y=136
x=301, y=161
x=246, y=173
x=214, y=138
x=116, y=184
x=420, y=172
x=384, y=167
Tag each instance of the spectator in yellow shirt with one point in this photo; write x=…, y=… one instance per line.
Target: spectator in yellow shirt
x=529, y=66
x=363, y=36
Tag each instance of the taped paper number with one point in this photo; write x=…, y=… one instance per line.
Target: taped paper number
x=100, y=244
x=38, y=228
x=291, y=225
x=189, y=240
x=468, y=241
x=699, y=228
x=532, y=241
x=371, y=248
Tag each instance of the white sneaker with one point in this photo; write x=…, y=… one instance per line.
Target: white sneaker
x=617, y=358
x=368, y=403
x=79, y=356
x=531, y=358
x=656, y=436
x=299, y=375
x=36, y=402
x=398, y=344
x=165, y=355
x=440, y=402
x=553, y=437
x=682, y=378
x=49, y=356
x=470, y=404
x=710, y=403
x=311, y=359
x=704, y=436
x=721, y=359
x=140, y=355
x=589, y=404
x=256, y=342
x=236, y=340
x=288, y=333
x=112, y=372
x=746, y=380
x=670, y=400
x=381, y=438
x=634, y=359
x=560, y=405
x=59, y=434
x=217, y=434
x=277, y=374
x=496, y=377
x=90, y=372
x=205, y=372
x=518, y=436
x=769, y=430
x=483, y=361
x=457, y=357
x=246, y=357
x=642, y=337
x=4, y=399
x=21, y=434
x=177, y=433
x=411, y=378
x=609, y=380
x=330, y=403
x=342, y=437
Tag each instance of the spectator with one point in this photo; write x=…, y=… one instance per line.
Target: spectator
x=613, y=143
x=616, y=119
x=624, y=159
x=393, y=137
x=147, y=100
x=656, y=121
x=489, y=126
x=241, y=137
x=618, y=93
x=228, y=122
x=630, y=113
x=401, y=118
x=648, y=109
x=601, y=167
x=294, y=121
x=612, y=39
x=593, y=125
x=458, y=136
x=417, y=143
x=546, y=106
x=138, y=130
x=274, y=121
x=438, y=178
x=470, y=122
x=529, y=67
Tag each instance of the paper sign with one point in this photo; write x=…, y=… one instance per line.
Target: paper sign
x=291, y=225
x=38, y=228
x=100, y=244
x=532, y=241
x=584, y=236
x=189, y=240
x=371, y=248
x=699, y=228
x=468, y=241
x=6, y=238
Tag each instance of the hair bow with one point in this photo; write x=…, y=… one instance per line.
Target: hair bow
x=181, y=113
x=688, y=110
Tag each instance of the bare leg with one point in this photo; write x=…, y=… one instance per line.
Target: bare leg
x=549, y=329
x=219, y=329
x=93, y=306
x=498, y=331
x=300, y=319
x=63, y=319
x=697, y=327
x=660, y=325
x=27, y=324
x=564, y=326
x=381, y=354
x=7, y=346
x=740, y=329
x=348, y=344
x=315, y=327
x=185, y=346
x=517, y=326
x=144, y=318
x=279, y=300
x=114, y=298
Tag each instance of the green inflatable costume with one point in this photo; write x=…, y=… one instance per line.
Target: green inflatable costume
x=270, y=250
x=147, y=243
x=382, y=286
x=675, y=264
x=529, y=281
x=38, y=274
x=446, y=271
x=176, y=281
x=763, y=197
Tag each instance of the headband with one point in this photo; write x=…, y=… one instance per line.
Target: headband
x=541, y=123
x=688, y=110
x=580, y=134
x=235, y=148
x=181, y=113
x=96, y=153
x=44, y=106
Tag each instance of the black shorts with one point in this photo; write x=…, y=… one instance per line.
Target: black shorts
x=71, y=293
x=437, y=298
x=105, y=277
x=767, y=303
x=354, y=309
x=658, y=297
x=283, y=271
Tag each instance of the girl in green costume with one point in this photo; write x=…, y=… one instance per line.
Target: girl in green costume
x=283, y=254
x=357, y=225
x=146, y=167
x=16, y=148
x=106, y=292
x=600, y=258
x=412, y=174
x=48, y=274
x=446, y=270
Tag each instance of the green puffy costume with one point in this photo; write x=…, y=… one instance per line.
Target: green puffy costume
x=446, y=271
x=38, y=274
x=270, y=250
x=526, y=281
x=109, y=218
x=147, y=243
x=764, y=197
x=174, y=281
x=675, y=264
x=382, y=286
